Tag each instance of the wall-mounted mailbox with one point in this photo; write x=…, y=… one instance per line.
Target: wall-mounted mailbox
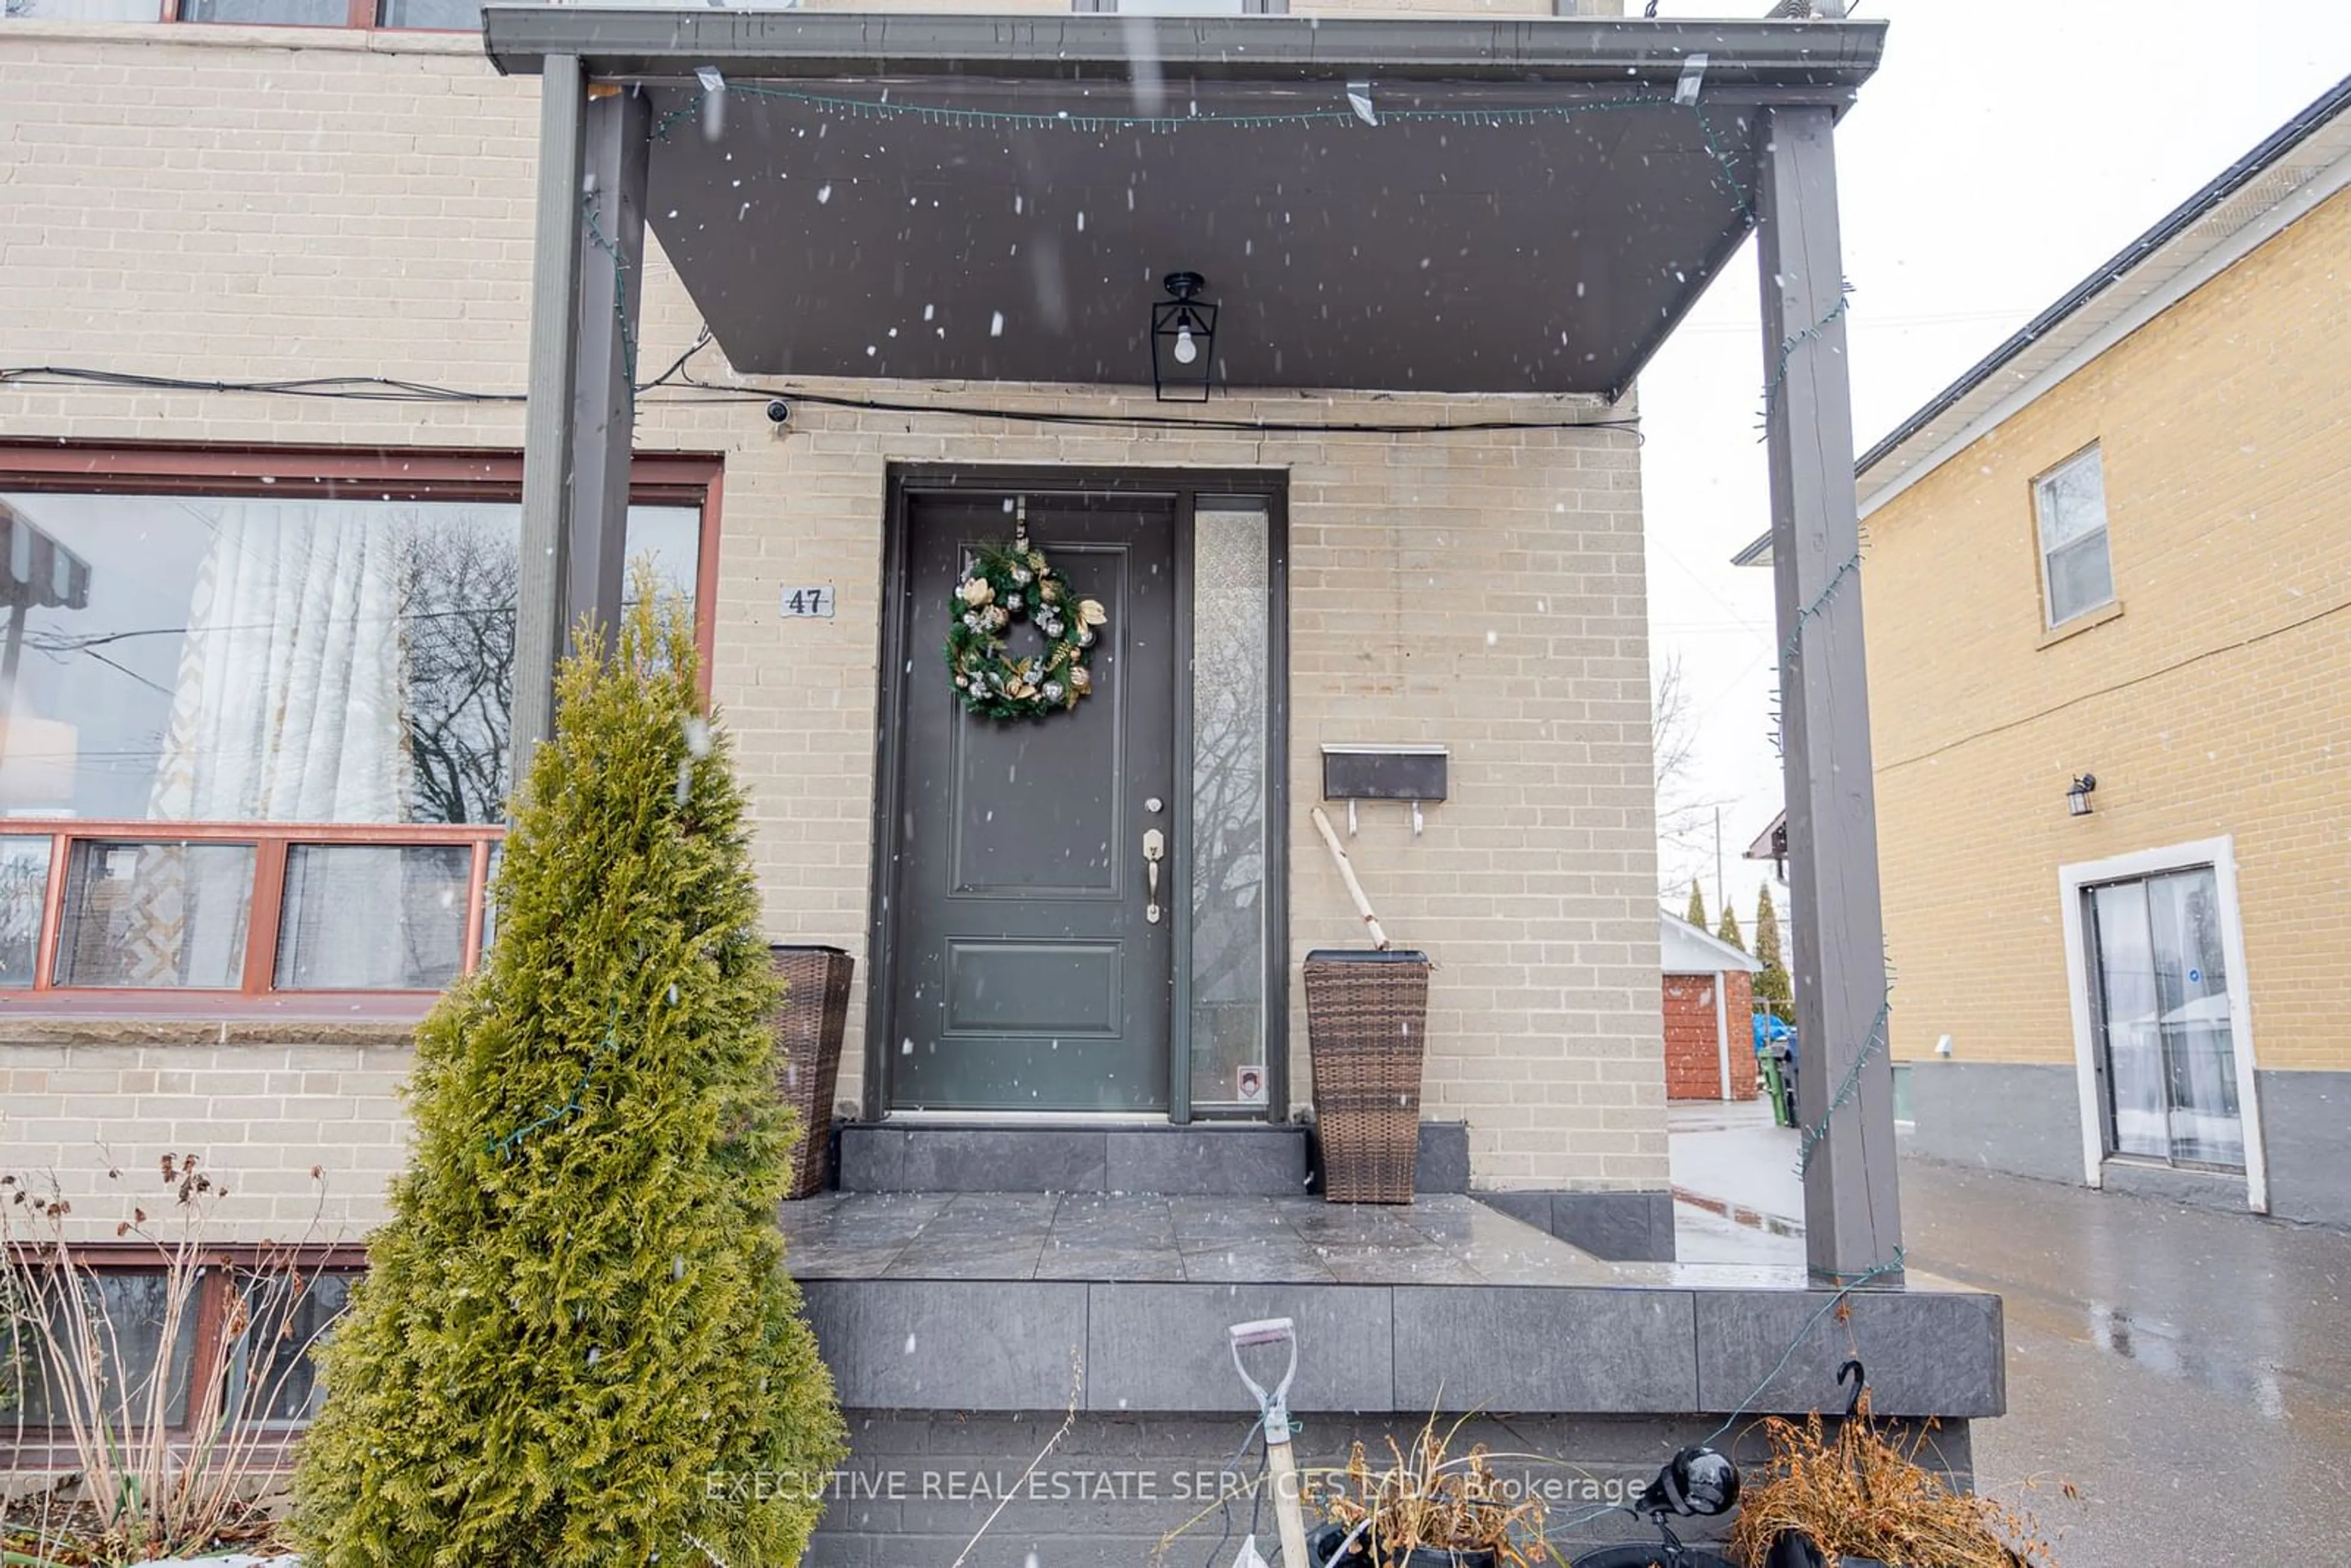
x=1383, y=772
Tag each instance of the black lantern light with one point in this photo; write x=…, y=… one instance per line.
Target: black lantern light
x=2077, y=795
x=1183, y=340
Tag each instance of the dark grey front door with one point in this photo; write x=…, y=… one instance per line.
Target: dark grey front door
x=1026, y=972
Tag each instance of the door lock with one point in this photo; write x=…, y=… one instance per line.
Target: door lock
x=1155, y=850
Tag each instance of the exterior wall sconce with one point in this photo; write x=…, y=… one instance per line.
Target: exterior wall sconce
x=1183, y=341
x=2077, y=795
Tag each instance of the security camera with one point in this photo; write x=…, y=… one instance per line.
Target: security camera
x=779, y=410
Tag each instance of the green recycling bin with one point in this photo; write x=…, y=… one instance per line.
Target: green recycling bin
x=1776, y=1086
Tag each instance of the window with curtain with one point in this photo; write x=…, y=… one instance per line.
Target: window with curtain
x=178, y=666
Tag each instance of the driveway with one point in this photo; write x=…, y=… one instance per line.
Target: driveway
x=2188, y=1373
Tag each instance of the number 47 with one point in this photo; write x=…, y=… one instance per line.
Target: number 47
x=808, y=601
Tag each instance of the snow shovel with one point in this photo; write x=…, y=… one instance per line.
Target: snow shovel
x=1281, y=1467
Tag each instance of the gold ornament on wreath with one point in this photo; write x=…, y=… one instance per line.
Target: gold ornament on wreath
x=1002, y=585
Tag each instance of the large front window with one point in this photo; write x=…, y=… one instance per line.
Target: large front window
x=255, y=729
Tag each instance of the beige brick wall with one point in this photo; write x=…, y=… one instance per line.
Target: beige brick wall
x=2215, y=704
x=299, y=203
x=262, y=1114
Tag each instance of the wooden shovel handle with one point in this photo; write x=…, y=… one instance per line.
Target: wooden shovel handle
x=1347, y=875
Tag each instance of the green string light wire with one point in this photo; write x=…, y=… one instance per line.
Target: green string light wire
x=504, y=1147
x=1788, y=348
x=1852, y=567
x=1872, y=1044
x=593, y=207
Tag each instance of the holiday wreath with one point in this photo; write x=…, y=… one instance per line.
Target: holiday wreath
x=1006, y=584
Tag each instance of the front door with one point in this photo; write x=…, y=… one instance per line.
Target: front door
x=1030, y=952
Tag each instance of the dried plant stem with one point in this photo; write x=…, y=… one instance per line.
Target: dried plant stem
x=143, y=1486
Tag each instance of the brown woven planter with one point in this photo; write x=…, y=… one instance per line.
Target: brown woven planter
x=1366, y=1031
x=808, y=1027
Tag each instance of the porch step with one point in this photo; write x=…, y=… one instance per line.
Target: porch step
x=1206, y=1159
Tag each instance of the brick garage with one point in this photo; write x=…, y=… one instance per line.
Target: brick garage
x=1708, y=1002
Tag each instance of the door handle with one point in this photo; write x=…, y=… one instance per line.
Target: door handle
x=1155, y=850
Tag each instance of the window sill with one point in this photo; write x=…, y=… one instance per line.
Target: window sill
x=2110, y=610
x=247, y=36
x=152, y=1019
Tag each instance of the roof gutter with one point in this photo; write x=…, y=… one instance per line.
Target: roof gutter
x=2176, y=221
x=1812, y=59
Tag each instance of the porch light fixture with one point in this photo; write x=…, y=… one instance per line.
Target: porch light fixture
x=1183, y=340
x=2077, y=795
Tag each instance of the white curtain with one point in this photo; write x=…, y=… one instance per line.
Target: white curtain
x=289, y=707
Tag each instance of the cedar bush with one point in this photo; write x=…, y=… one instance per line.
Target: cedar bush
x=1696, y=912
x=576, y=1343
x=1772, y=987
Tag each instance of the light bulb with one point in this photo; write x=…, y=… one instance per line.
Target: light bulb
x=1186, y=350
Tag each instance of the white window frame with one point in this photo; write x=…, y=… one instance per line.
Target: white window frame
x=2221, y=855
x=2050, y=620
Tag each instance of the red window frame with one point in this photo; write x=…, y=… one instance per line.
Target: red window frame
x=225, y=1265
x=374, y=474
x=361, y=15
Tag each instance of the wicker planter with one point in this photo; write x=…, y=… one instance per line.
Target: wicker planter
x=808, y=1027
x=1367, y=1032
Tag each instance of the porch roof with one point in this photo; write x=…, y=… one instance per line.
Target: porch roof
x=997, y=198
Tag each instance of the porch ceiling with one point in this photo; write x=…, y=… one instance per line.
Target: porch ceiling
x=996, y=198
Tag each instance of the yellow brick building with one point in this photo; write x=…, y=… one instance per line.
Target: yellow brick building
x=2117, y=554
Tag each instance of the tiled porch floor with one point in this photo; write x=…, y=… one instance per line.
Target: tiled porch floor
x=1438, y=1241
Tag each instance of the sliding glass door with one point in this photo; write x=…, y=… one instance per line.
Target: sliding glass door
x=2160, y=1000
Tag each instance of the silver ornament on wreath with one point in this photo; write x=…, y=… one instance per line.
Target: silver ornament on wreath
x=1000, y=586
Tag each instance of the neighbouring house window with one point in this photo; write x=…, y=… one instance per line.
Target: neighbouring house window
x=260, y=741
x=2070, y=502
x=2159, y=1003
x=1232, y=658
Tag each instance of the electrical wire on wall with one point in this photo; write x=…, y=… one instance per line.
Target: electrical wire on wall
x=690, y=391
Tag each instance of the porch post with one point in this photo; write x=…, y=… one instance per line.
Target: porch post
x=586, y=265
x=539, y=585
x=612, y=270
x=1853, y=1220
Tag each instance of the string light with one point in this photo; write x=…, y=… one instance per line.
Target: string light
x=591, y=209
x=504, y=1147
x=1788, y=348
x=1817, y=1134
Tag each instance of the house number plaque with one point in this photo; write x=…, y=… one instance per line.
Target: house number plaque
x=808, y=603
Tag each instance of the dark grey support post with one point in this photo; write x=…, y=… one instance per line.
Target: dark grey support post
x=1853, y=1220
x=612, y=217
x=586, y=265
